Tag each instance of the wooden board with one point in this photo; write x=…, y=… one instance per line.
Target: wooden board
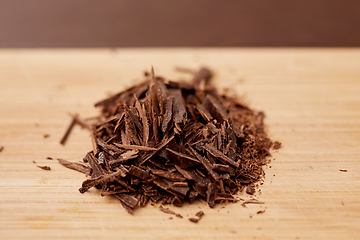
x=312, y=101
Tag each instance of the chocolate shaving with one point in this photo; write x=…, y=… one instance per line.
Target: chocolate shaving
x=252, y=202
x=196, y=219
x=250, y=190
x=47, y=168
x=169, y=211
x=222, y=157
x=67, y=132
x=74, y=166
x=277, y=145
x=199, y=214
x=173, y=142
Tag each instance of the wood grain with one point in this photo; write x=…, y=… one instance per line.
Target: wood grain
x=311, y=99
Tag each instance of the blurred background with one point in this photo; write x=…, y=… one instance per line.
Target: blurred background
x=185, y=23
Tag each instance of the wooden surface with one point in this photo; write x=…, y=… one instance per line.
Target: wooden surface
x=312, y=101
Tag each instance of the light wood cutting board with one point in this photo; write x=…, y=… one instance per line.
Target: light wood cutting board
x=312, y=101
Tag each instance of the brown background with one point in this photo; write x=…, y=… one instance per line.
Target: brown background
x=163, y=23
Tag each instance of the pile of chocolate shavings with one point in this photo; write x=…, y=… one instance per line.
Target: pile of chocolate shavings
x=173, y=142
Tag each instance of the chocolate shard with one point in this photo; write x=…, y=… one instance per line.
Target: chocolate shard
x=169, y=186
x=68, y=131
x=127, y=208
x=221, y=168
x=250, y=190
x=93, y=162
x=215, y=108
x=74, y=166
x=216, y=153
x=204, y=112
x=89, y=183
x=127, y=199
x=168, y=114
x=179, y=110
x=138, y=172
x=185, y=173
x=211, y=194
x=130, y=129
x=182, y=160
x=134, y=118
x=194, y=220
x=44, y=168
x=199, y=214
x=147, y=156
x=135, y=147
x=202, y=74
x=168, y=211
x=206, y=164
x=173, y=176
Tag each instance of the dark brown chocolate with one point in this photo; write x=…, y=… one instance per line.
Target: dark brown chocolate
x=173, y=142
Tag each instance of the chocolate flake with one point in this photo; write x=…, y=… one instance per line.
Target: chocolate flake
x=169, y=211
x=252, y=202
x=199, y=214
x=173, y=142
x=67, y=133
x=74, y=166
x=44, y=168
x=250, y=190
x=277, y=145
x=260, y=212
x=196, y=219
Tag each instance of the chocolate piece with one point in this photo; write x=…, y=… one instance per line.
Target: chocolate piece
x=44, y=168
x=74, y=166
x=173, y=142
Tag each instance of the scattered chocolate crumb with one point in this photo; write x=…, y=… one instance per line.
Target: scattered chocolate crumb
x=49, y=158
x=34, y=162
x=250, y=190
x=199, y=214
x=44, y=168
x=170, y=218
x=260, y=212
x=277, y=145
x=194, y=220
x=343, y=170
x=1, y=148
x=251, y=202
x=46, y=135
x=169, y=211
